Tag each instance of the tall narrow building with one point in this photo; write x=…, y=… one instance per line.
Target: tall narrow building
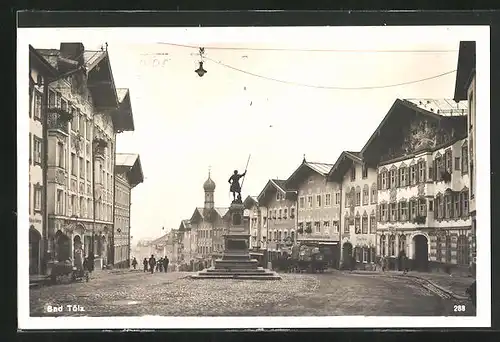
x=40, y=75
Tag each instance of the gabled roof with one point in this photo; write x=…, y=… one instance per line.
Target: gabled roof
x=466, y=67
x=185, y=225
x=320, y=168
x=131, y=164
x=123, y=117
x=160, y=240
x=199, y=213
x=250, y=201
x=37, y=61
x=100, y=80
x=343, y=164
x=400, y=110
x=273, y=185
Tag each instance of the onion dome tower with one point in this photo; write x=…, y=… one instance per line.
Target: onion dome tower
x=209, y=188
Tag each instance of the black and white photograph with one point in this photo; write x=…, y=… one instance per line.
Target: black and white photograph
x=253, y=177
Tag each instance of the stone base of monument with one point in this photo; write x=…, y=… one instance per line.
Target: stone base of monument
x=236, y=262
x=237, y=269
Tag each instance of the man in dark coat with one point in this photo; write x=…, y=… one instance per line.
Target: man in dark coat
x=234, y=180
x=145, y=264
x=152, y=263
x=165, y=264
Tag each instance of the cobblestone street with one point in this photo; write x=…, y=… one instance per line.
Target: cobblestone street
x=133, y=293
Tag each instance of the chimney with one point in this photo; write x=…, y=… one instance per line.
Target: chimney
x=72, y=51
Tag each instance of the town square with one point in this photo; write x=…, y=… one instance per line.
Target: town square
x=235, y=179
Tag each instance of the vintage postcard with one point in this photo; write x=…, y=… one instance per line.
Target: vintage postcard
x=251, y=177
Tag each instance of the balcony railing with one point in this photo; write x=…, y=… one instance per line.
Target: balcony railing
x=55, y=122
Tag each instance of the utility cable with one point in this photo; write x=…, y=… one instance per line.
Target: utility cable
x=329, y=87
x=306, y=50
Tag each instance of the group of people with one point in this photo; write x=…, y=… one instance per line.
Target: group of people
x=152, y=265
x=403, y=264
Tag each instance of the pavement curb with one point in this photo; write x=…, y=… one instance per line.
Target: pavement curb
x=439, y=287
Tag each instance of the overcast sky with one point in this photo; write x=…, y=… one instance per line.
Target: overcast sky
x=184, y=123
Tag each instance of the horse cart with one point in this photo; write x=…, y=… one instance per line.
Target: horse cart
x=65, y=271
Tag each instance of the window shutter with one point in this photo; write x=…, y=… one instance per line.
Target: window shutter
x=431, y=171
x=436, y=206
x=377, y=212
x=397, y=211
x=379, y=181
x=460, y=204
x=425, y=171
x=407, y=176
x=397, y=177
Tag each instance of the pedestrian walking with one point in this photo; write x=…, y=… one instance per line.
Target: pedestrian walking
x=145, y=264
x=134, y=263
x=401, y=261
x=383, y=262
x=152, y=263
x=165, y=264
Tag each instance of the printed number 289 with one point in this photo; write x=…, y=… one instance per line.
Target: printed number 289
x=459, y=308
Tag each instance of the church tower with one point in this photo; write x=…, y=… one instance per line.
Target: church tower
x=209, y=188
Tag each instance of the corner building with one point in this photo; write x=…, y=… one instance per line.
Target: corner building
x=83, y=119
x=41, y=72
x=465, y=90
x=420, y=150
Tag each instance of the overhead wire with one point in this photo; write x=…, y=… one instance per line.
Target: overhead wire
x=305, y=50
x=330, y=87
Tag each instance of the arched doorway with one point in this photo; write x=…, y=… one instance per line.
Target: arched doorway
x=63, y=247
x=34, y=250
x=346, y=251
x=421, y=261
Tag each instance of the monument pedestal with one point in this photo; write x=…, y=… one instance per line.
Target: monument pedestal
x=236, y=262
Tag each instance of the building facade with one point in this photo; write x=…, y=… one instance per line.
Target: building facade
x=465, y=90
x=422, y=183
x=187, y=248
x=208, y=225
x=318, y=203
x=279, y=215
x=128, y=174
x=83, y=119
x=40, y=75
x=358, y=227
x=254, y=213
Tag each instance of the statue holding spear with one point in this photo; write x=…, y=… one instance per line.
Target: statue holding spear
x=234, y=180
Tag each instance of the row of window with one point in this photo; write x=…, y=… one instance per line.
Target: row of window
x=388, y=245
x=364, y=172
x=453, y=205
x=325, y=224
x=365, y=254
x=318, y=203
x=78, y=163
x=82, y=207
x=417, y=173
x=353, y=196
x=443, y=248
x=209, y=249
x=361, y=224
x=79, y=123
x=282, y=213
x=280, y=236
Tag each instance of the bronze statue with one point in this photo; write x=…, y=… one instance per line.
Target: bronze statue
x=234, y=180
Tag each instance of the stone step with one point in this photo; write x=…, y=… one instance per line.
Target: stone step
x=269, y=276
x=236, y=270
x=235, y=266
